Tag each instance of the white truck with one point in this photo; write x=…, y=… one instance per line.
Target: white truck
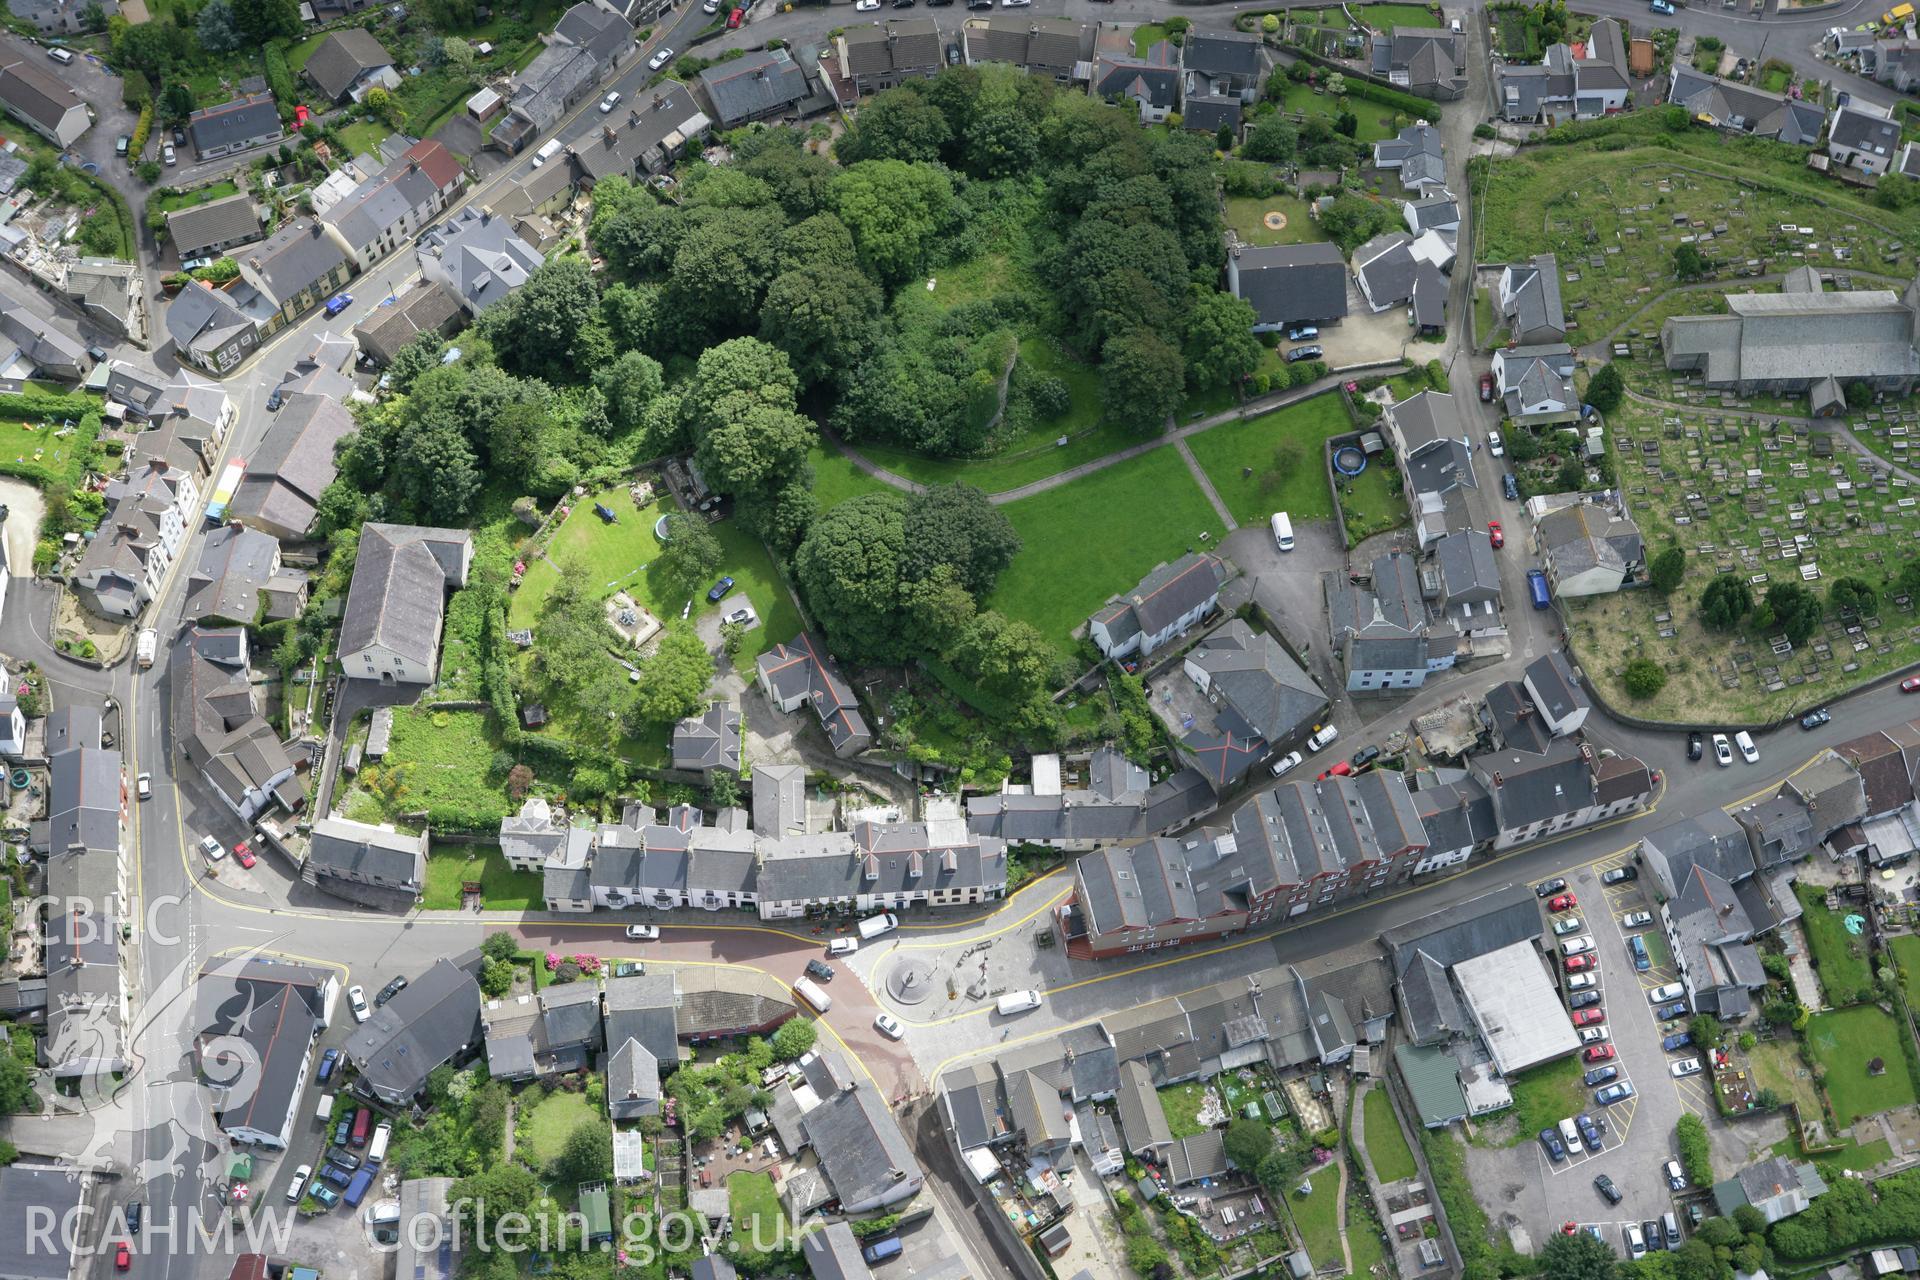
x=145, y=647
x=873, y=926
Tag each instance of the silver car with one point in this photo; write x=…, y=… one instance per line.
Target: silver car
x=660, y=59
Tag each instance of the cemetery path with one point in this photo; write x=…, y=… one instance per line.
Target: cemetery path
x=1832, y=426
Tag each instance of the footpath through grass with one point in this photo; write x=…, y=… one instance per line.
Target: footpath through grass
x=1283, y=448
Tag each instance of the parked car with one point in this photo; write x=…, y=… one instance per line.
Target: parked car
x=1494, y=446
x=1298, y=354
x=643, y=932
x=1748, y=752
x=1677, y=1041
x=1303, y=333
x=1635, y=1241
x=1613, y=1093
x=168, y=156
x=143, y=786
x=325, y=1195
x=843, y=946
x=739, y=15
x=342, y=1129
x=1566, y=925
x=1581, y=981
x=1340, y=769
x=1668, y=1012
x=1722, y=750
x=1676, y=1180
x=328, y=1061
x=1620, y=875
x=1364, y=757
x=1603, y=1184
x=1591, y=1128
x=1486, y=388
x=1636, y=919
x=134, y=1214
x=338, y=302
x=389, y=991
x=212, y=848
x=298, y=1187
x=244, y=855
x=1594, y=1035
x=1546, y=887
x=1598, y=1053
x=1510, y=486
x=1685, y=1067
x=122, y=1256
x=1287, y=763
x=1556, y=1150
x=817, y=968
x=1664, y=992
x=1662, y=7
x=889, y=1026
x=357, y=1001
x=1583, y=999
x=1563, y=901
x=1910, y=684
x=1589, y=1017
x=336, y=1175
x=1574, y=964
x=718, y=592
x=1496, y=535
x=1696, y=744
x=1322, y=735
x=362, y=1126
x=1814, y=719
x=1637, y=949
x=608, y=103
x=662, y=57
x=121, y=143
x=1600, y=1075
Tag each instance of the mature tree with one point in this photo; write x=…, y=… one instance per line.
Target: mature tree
x=1606, y=389
x=956, y=524
x=1350, y=221
x=1274, y=140
x=587, y=1155
x=216, y=29
x=673, y=682
x=1792, y=608
x=1008, y=658
x=457, y=53
x=689, y=559
x=629, y=384
x=550, y=324
x=823, y=318
x=499, y=945
x=503, y=1187
x=1572, y=477
x=1220, y=347
x=16, y=1084
x=1577, y=1257
x=1725, y=603
x=1688, y=262
x=1696, y=1151
x=496, y=977
x=1142, y=381
x=572, y=631
x=795, y=1037
x=898, y=124
x=1907, y=583
x=1666, y=569
x=748, y=437
x=820, y=241
x=264, y=20
x=1115, y=274
x=631, y=313
x=1854, y=594
x=1706, y=1030
x=1248, y=1142
x=435, y=474
x=894, y=210
x=723, y=265
x=1001, y=133
x=1644, y=677
x=849, y=569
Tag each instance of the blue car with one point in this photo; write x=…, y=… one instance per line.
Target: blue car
x=328, y=1061
x=1556, y=1150
x=335, y=1174
x=1661, y=7
x=1641, y=960
x=339, y=302
x=720, y=590
x=1612, y=1093
x=1510, y=486
x=1677, y=1041
x=1601, y=1075
x=1678, y=1009
x=1590, y=1130
x=325, y=1194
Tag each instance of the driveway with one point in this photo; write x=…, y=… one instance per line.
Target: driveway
x=1367, y=337
x=1287, y=585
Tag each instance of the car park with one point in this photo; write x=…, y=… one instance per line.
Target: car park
x=1685, y=1067
x=1562, y=902
x=1612, y=1093
x=1583, y=999
x=1495, y=535
x=357, y=1001
x=1546, y=887
x=1287, y=763
x=1589, y=1017
x=1494, y=446
x=1598, y=1053
x=1636, y=919
x=1298, y=354
x=663, y=56
x=1695, y=745
x=1722, y=750
x=1748, y=752
x=1569, y=925
x=1556, y=1150
x=1668, y=1012
x=1577, y=946
x=1620, y=875
x=1814, y=719
x=1600, y=1075
x=1676, y=1180
x=1677, y=1041
x=1604, y=1185
x=643, y=932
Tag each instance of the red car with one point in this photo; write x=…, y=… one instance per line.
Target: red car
x=1910, y=684
x=735, y=18
x=244, y=855
x=122, y=1257
x=1563, y=902
x=1599, y=1052
x=1494, y=532
x=300, y=115
x=1486, y=386
x=1589, y=1017
x=1576, y=963
x=1339, y=770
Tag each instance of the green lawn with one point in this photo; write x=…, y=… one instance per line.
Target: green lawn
x=1839, y=957
x=1834, y=1164
x=1844, y=1042
x=1906, y=952
x=835, y=478
x=501, y=887
x=1392, y=1158
x=1777, y=1066
x=557, y=1116
x=1181, y=1103
x=1145, y=36
x=298, y=55
x=1387, y=16
x=1317, y=1214
x=1247, y=214
x=757, y=1221
x=1283, y=447
x=1543, y=1096
x=1376, y=121
x=363, y=136
x=1370, y=503
x=1099, y=535
x=438, y=763
x=173, y=200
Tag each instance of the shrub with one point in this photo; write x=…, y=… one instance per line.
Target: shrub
x=142, y=127
x=280, y=78
x=1645, y=677
x=1484, y=131
x=1270, y=23
x=1695, y=1151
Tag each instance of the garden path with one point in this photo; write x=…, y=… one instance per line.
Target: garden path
x=1206, y=485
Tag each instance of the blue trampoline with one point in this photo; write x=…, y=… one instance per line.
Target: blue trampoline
x=1349, y=460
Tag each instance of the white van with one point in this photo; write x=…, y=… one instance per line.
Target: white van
x=323, y=1112
x=546, y=153
x=61, y=56
x=1322, y=735
x=1570, y=1134
x=873, y=926
x=813, y=995
x=377, y=1148
x=1017, y=1002
x=1282, y=531
x=146, y=647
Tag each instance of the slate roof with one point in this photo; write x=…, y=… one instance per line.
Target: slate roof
x=1292, y=283
x=1051, y=45
x=1456, y=815
x=1542, y=375
x=285, y=477
x=428, y=306
x=1550, y=680
x=1529, y=787
x=1265, y=688
x=1709, y=839
x=1222, y=53
x=601, y=32
x=1164, y=595
x=667, y=120
x=1831, y=789
x=718, y=1000
x=1863, y=128
x=1153, y=81
x=644, y=1007
x=342, y=847
x=1468, y=568
x=33, y=93
x=274, y=1006
x=834, y=1254
x=48, y=1193
x=1475, y=927
x=1203, y=1155
x=1860, y=333
x=1206, y=113
x=557, y=75
x=294, y=259
x=858, y=1142
x=202, y=319
x=1434, y=212
x=762, y=83
x=432, y=1021
x=804, y=664
x=246, y=117
x=408, y=185
x=1416, y=152
x=342, y=58
x=400, y=580
x=1729, y=105
x=236, y=564
x=708, y=741
x=1585, y=535
x=1530, y=305
x=214, y=715
x=901, y=45
x=1382, y=627
x=216, y=222
x=83, y=796
x=1886, y=761
x=633, y=1080
x=483, y=257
